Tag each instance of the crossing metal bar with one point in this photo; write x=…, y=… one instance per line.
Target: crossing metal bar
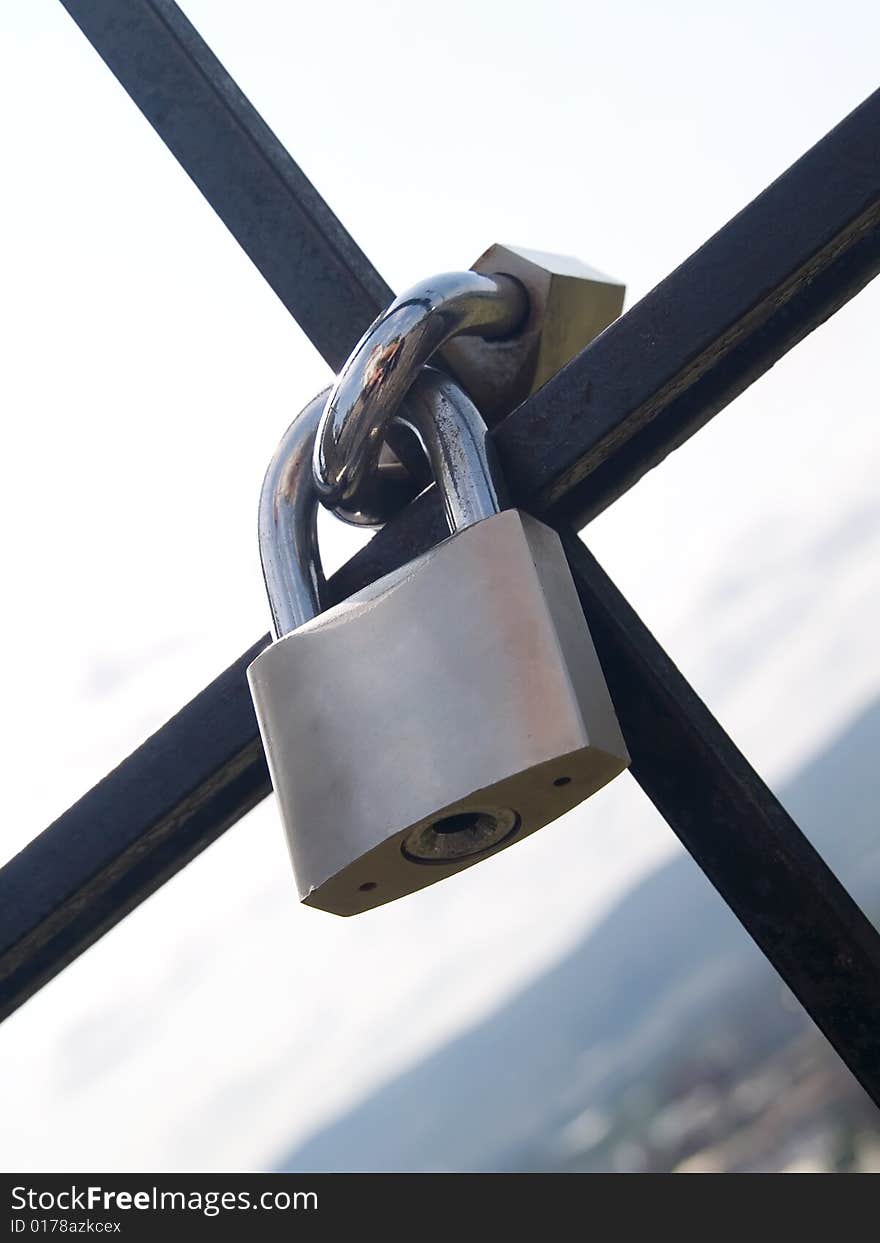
x=748, y=846
x=173, y=796
x=265, y=200
x=205, y=769
x=772, y=274
x=790, y=259
x=267, y=203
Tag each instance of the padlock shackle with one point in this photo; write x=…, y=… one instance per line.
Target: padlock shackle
x=458, y=446
x=288, y=525
x=457, y=443
x=384, y=365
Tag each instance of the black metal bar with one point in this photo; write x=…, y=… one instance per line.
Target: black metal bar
x=751, y=850
x=764, y=281
x=266, y=202
x=269, y=206
x=776, y=271
x=188, y=783
x=205, y=769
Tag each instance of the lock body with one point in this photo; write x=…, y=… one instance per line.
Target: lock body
x=439, y=715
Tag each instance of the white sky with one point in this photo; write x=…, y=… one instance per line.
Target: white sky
x=149, y=371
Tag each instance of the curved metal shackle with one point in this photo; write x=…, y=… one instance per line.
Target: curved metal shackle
x=456, y=441
x=384, y=365
x=288, y=525
x=458, y=446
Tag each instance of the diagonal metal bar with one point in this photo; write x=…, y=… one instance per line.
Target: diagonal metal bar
x=687, y=375
x=205, y=769
x=776, y=271
x=748, y=846
x=188, y=783
x=266, y=202
x=788, y=261
x=772, y=274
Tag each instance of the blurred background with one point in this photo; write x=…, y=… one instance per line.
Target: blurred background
x=584, y=1001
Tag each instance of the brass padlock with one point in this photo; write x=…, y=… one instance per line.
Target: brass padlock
x=446, y=711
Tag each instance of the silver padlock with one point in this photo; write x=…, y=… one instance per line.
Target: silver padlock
x=446, y=711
